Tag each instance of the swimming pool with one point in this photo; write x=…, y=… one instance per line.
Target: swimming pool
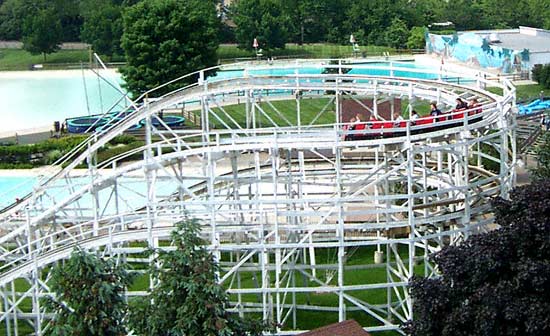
x=375, y=69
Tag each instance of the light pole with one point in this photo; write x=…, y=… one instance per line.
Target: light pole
x=353, y=44
x=255, y=45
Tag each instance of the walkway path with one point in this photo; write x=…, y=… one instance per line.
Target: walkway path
x=19, y=45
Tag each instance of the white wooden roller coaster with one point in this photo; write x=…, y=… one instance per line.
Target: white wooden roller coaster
x=292, y=212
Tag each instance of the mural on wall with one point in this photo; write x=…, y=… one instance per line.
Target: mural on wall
x=473, y=49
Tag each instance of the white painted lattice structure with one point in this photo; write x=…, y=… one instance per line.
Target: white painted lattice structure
x=286, y=204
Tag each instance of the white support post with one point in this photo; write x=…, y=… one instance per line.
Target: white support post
x=411, y=218
x=340, y=236
x=275, y=167
x=298, y=110
x=7, y=320
x=375, y=105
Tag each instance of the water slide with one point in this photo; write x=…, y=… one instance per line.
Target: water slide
x=535, y=106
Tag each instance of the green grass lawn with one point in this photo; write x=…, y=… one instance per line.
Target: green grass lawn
x=18, y=59
x=530, y=92
x=307, y=319
x=283, y=112
x=524, y=93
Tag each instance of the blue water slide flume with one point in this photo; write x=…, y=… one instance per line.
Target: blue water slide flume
x=536, y=105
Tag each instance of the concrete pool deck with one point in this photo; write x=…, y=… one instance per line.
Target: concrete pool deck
x=27, y=136
x=33, y=74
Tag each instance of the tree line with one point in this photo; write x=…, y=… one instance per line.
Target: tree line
x=273, y=22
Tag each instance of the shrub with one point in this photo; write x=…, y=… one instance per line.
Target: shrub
x=53, y=156
x=110, y=152
x=417, y=38
x=124, y=139
x=541, y=74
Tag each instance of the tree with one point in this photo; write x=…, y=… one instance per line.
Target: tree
x=89, y=297
x=260, y=19
x=422, y=12
x=304, y=25
x=371, y=18
x=102, y=26
x=465, y=14
x=542, y=170
x=417, y=38
x=166, y=39
x=496, y=283
x=15, y=13
x=187, y=300
x=397, y=33
x=42, y=32
x=10, y=20
x=70, y=17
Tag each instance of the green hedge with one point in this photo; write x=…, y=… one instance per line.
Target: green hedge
x=49, y=151
x=43, y=153
x=124, y=139
x=108, y=152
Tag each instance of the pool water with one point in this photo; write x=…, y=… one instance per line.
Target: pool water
x=401, y=71
x=35, y=99
x=13, y=187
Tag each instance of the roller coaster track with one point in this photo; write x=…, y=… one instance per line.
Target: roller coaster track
x=272, y=196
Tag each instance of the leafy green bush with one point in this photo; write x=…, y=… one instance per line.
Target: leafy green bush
x=417, y=38
x=444, y=32
x=542, y=170
x=109, y=152
x=89, y=296
x=16, y=166
x=396, y=34
x=53, y=156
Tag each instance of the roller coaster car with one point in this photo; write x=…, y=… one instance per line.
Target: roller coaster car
x=425, y=121
x=459, y=114
x=390, y=129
